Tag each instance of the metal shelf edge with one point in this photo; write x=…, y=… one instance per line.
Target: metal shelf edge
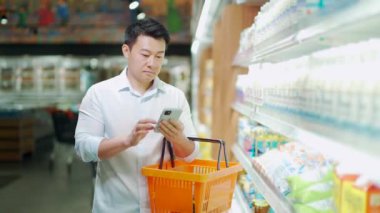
x=241, y=200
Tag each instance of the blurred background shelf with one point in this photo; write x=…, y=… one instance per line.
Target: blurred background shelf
x=109, y=49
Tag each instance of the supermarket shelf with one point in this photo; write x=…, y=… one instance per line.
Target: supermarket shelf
x=354, y=23
x=24, y=101
x=239, y=197
x=343, y=146
x=273, y=197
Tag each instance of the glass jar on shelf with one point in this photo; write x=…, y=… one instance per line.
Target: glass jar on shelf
x=260, y=204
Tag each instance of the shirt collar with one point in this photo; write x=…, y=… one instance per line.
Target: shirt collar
x=124, y=84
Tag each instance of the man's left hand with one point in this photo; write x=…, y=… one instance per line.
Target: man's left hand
x=172, y=130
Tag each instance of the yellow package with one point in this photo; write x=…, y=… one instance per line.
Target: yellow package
x=336, y=191
x=337, y=188
x=355, y=199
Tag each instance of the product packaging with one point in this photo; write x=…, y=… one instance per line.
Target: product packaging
x=359, y=199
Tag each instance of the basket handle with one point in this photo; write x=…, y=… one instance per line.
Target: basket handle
x=208, y=140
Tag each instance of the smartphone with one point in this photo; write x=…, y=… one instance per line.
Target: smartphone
x=168, y=114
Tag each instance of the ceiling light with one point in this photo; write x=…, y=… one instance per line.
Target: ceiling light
x=133, y=5
x=141, y=16
x=4, y=20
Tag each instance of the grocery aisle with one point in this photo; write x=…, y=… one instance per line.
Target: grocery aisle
x=291, y=86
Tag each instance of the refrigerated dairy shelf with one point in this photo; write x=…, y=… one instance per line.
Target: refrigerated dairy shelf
x=340, y=146
x=357, y=22
x=277, y=202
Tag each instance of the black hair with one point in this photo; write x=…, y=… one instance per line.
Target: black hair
x=148, y=27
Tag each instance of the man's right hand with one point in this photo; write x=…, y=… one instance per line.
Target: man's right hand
x=111, y=147
x=140, y=130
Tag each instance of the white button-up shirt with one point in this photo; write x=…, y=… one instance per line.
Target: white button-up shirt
x=112, y=108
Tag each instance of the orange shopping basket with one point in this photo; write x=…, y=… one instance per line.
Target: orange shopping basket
x=199, y=186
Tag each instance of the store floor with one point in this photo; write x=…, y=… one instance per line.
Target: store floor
x=29, y=187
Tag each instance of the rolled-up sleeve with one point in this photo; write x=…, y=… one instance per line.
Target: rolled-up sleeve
x=90, y=128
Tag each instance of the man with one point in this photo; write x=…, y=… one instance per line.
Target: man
x=117, y=118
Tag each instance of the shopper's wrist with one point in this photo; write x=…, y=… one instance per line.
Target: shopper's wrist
x=129, y=141
x=179, y=139
x=125, y=141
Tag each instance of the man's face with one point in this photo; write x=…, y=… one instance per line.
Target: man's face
x=145, y=58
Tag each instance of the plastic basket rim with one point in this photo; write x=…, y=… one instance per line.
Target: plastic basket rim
x=154, y=172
